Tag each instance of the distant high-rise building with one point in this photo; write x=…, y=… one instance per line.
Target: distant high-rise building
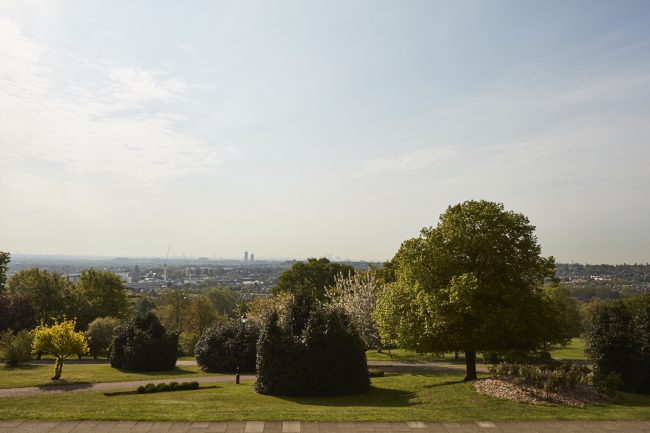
x=252, y=257
x=245, y=256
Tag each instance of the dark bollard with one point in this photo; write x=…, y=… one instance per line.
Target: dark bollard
x=237, y=377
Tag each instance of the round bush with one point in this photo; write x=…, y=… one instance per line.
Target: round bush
x=226, y=346
x=150, y=388
x=144, y=345
x=325, y=358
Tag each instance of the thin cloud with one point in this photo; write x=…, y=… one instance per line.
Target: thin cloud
x=107, y=119
x=411, y=161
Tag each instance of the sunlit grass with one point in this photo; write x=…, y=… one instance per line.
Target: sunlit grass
x=39, y=374
x=426, y=395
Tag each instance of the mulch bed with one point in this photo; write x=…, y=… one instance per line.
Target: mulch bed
x=583, y=395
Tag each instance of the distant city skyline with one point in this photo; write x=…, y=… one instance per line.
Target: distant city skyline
x=317, y=129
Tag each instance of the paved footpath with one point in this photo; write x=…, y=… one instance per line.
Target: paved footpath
x=323, y=427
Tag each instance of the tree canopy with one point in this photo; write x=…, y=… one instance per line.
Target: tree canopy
x=312, y=277
x=60, y=340
x=472, y=283
x=49, y=293
x=101, y=294
x=5, y=258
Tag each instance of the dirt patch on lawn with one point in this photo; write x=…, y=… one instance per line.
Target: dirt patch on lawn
x=581, y=396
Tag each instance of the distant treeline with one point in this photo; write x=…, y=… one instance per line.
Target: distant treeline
x=586, y=282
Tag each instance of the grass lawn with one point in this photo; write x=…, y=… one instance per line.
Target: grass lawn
x=574, y=351
x=39, y=374
x=409, y=355
x=398, y=396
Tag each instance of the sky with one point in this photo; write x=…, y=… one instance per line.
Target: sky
x=296, y=129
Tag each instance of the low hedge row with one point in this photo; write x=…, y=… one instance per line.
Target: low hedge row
x=150, y=388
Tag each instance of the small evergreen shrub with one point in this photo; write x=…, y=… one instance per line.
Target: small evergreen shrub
x=144, y=345
x=150, y=388
x=314, y=351
x=227, y=345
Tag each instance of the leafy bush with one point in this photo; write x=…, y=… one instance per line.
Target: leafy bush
x=16, y=348
x=228, y=345
x=100, y=333
x=617, y=337
x=144, y=345
x=314, y=351
x=607, y=385
x=150, y=388
x=187, y=342
x=141, y=389
x=173, y=386
x=552, y=378
x=519, y=357
x=162, y=387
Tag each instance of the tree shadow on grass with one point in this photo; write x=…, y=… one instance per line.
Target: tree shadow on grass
x=63, y=385
x=377, y=397
x=445, y=383
x=177, y=371
x=19, y=367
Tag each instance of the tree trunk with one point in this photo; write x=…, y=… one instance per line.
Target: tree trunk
x=58, y=369
x=470, y=365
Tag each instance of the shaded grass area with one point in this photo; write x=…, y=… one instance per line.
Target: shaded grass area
x=574, y=351
x=410, y=355
x=430, y=395
x=80, y=373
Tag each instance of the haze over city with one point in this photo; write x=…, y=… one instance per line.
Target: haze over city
x=299, y=129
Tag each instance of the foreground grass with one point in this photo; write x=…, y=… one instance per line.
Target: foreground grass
x=39, y=374
x=413, y=396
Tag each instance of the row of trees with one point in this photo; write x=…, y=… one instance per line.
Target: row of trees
x=476, y=282
x=38, y=296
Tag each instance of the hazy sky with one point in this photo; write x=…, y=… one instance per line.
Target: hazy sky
x=294, y=129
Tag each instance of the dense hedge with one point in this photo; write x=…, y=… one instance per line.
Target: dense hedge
x=326, y=357
x=144, y=345
x=617, y=337
x=227, y=345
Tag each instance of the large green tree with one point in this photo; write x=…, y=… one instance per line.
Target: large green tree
x=49, y=293
x=311, y=277
x=101, y=294
x=472, y=283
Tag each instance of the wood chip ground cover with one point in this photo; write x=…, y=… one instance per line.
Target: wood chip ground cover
x=581, y=396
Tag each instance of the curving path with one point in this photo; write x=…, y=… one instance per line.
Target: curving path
x=132, y=385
